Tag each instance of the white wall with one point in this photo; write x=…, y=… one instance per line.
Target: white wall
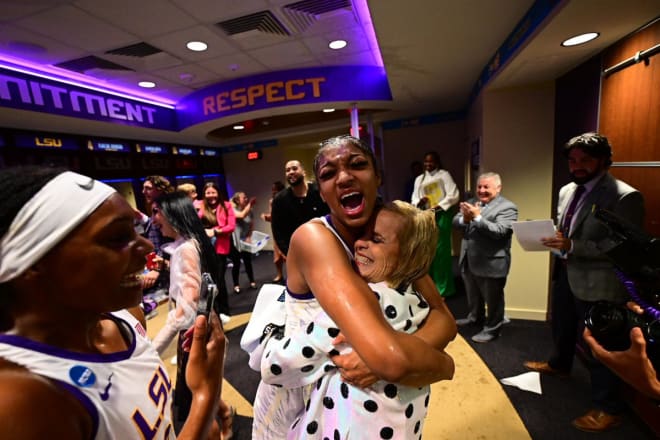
x=517, y=142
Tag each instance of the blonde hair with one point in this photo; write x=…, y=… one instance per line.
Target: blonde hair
x=236, y=197
x=418, y=237
x=187, y=188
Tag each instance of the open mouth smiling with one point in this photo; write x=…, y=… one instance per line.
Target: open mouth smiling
x=352, y=202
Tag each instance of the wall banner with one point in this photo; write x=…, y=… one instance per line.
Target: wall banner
x=284, y=88
x=26, y=92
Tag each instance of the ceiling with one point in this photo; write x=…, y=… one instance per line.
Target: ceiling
x=433, y=51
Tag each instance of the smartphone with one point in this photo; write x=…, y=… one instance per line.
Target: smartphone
x=207, y=294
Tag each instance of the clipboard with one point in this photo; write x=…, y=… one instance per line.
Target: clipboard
x=529, y=234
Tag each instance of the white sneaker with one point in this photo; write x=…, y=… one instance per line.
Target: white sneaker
x=224, y=318
x=173, y=360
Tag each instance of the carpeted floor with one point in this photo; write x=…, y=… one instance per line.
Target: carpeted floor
x=472, y=406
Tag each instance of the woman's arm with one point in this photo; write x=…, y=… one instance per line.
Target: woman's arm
x=242, y=213
x=439, y=329
x=317, y=260
x=204, y=374
x=33, y=408
x=226, y=222
x=185, y=282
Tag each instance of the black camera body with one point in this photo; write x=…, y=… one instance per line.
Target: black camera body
x=611, y=324
x=636, y=255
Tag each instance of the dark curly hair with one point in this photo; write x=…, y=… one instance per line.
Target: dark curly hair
x=594, y=144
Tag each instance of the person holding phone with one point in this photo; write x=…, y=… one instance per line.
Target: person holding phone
x=191, y=254
x=73, y=349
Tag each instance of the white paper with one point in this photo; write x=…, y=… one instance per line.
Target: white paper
x=530, y=233
x=530, y=381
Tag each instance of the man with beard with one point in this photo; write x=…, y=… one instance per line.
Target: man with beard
x=294, y=205
x=582, y=274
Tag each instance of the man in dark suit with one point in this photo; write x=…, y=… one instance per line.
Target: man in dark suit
x=582, y=273
x=486, y=222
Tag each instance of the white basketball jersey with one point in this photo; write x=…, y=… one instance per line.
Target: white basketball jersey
x=127, y=394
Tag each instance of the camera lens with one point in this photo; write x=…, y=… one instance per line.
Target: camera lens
x=608, y=323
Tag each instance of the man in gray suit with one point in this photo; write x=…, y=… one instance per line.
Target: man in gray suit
x=486, y=222
x=582, y=273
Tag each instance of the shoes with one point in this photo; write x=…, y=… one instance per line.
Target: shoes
x=253, y=285
x=224, y=319
x=230, y=265
x=485, y=336
x=237, y=289
x=545, y=368
x=465, y=321
x=173, y=360
x=597, y=421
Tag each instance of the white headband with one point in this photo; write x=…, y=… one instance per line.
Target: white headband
x=49, y=216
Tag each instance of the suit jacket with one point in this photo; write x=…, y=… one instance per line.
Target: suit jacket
x=590, y=274
x=487, y=243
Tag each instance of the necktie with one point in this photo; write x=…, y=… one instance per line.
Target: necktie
x=570, y=212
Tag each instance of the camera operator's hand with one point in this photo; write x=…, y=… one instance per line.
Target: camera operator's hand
x=632, y=365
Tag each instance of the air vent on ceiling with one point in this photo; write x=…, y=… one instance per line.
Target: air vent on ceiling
x=263, y=21
x=318, y=7
x=140, y=50
x=304, y=13
x=91, y=62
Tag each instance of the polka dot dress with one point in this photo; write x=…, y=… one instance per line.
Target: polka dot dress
x=331, y=409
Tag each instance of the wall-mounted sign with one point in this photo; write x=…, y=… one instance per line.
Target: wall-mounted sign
x=156, y=162
x=53, y=142
x=254, y=155
x=185, y=163
x=27, y=92
x=184, y=151
x=251, y=146
x=283, y=88
x=112, y=162
x=113, y=146
x=209, y=152
x=152, y=149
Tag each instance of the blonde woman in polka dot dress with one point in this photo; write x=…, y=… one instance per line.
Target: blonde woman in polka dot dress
x=318, y=263
x=401, y=233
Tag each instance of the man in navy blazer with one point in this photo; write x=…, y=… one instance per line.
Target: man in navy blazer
x=486, y=222
x=582, y=273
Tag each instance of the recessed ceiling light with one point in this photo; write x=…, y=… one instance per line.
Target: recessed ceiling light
x=196, y=46
x=147, y=84
x=239, y=127
x=580, y=39
x=337, y=44
x=328, y=110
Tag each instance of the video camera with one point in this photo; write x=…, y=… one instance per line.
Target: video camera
x=636, y=256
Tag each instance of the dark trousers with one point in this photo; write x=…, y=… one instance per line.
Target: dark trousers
x=236, y=256
x=222, y=301
x=484, y=292
x=567, y=326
